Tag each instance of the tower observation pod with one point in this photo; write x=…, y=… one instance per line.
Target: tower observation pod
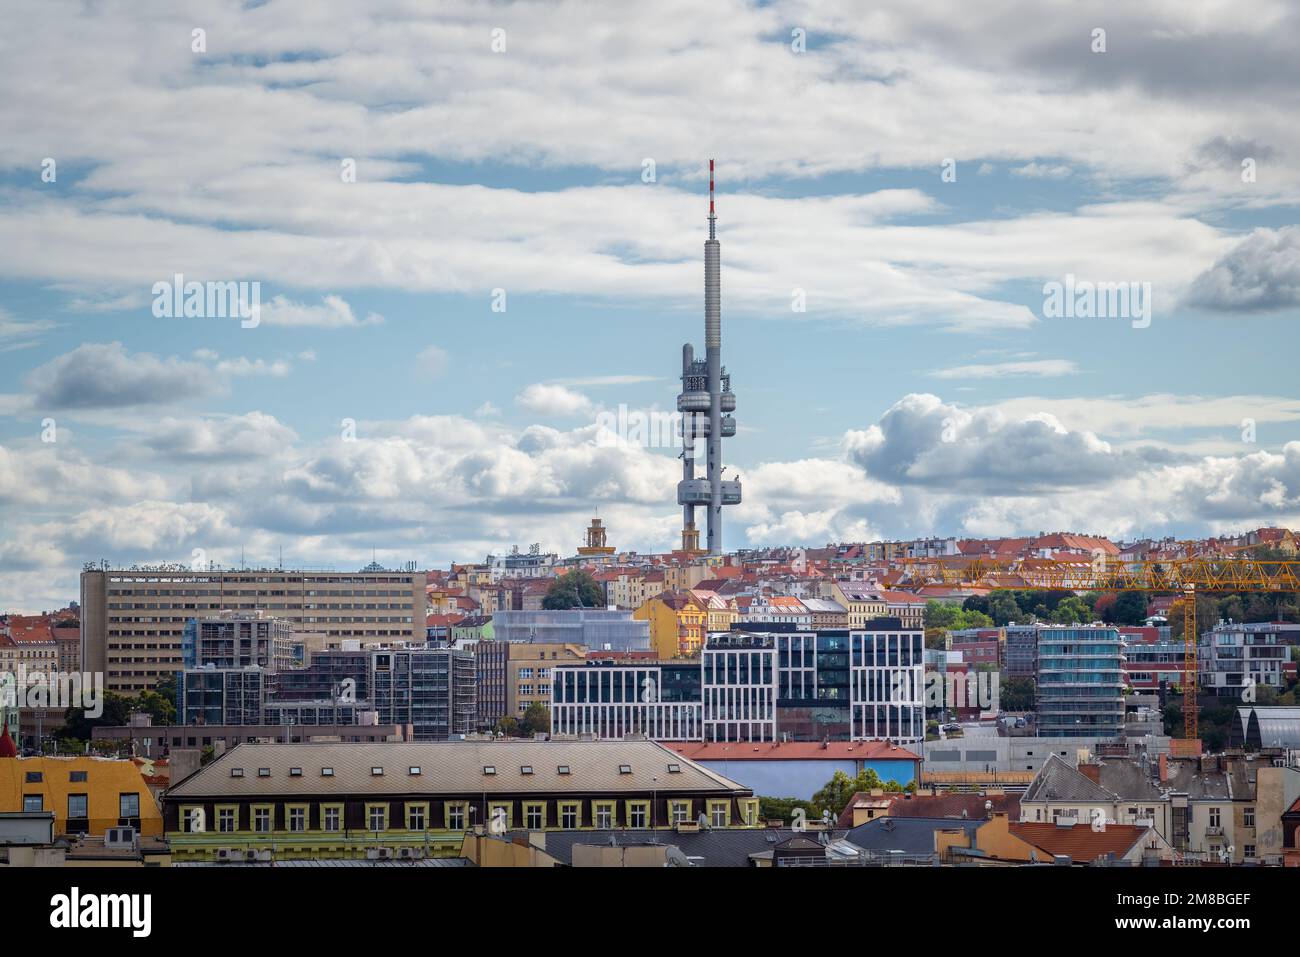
x=705, y=401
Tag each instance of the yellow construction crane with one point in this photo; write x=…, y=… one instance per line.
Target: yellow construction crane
x=1185, y=576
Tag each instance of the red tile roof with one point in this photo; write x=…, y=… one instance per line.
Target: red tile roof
x=1080, y=841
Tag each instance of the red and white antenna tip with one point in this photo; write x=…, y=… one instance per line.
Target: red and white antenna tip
x=710, y=187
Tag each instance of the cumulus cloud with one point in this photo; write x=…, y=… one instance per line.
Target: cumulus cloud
x=554, y=400
x=254, y=435
x=1259, y=274
x=107, y=376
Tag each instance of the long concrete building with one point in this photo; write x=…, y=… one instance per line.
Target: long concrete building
x=133, y=620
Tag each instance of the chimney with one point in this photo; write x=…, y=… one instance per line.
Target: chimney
x=1164, y=768
x=1092, y=772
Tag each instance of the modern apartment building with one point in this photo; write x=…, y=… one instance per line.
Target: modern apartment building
x=431, y=690
x=530, y=669
x=1232, y=656
x=133, y=620
x=1080, y=681
x=240, y=640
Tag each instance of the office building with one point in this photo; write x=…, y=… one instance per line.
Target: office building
x=598, y=629
x=133, y=620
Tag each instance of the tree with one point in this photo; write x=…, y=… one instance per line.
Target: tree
x=1072, y=611
x=577, y=589
x=117, y=710
x=940, y=614
x=536, y=720
x=1004, y=610
x=1017, y=694
x=1130, y=608
x=507, y=727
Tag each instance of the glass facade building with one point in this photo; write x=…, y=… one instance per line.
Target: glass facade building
x=1080, y=682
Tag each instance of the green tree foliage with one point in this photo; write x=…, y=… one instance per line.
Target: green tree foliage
x=576, y=589
x=940, y=614
x=1017, y=694
x=507, y=727
x=536, y=720
x=1071, y=611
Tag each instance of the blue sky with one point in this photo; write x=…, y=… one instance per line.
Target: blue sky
x=923, y=390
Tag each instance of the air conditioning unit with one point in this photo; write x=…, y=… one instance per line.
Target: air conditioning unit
x=264, y=855
x=410, y=853
x=227, y=854
x=250, y=856
x=379, y=853
x=119, y=837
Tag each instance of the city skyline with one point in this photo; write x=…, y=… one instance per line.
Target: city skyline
x=923, y=389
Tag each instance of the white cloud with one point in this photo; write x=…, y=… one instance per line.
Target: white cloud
x=1048, y=368
x=554, y=400
x=332, y=312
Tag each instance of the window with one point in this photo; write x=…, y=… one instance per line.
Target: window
x=263, y=772
x=262, y=818
x=749, y=811
x=562, y=769
x=332, y=817
x=376, y=772
x=534, y=816
x=638, y=813
x=719, y=813
x=236, y=772
x=413, y=770
x=1214, y=817
x=489, y=769
x=226, y=819
x=128, y=805
x=604, y=815
x=376, y=817
x=417, y=817
x=569, y=815
x=455, y=817
x=35, y=777
x=625, y=769
x=297, y=817
x=1249, y=851
x=77, y=806
x=77, y=777
x=674, y=769
x=1248, y=819
x=680, y=812
x=295, y=772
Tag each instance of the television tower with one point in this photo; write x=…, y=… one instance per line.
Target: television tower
x=706, y=394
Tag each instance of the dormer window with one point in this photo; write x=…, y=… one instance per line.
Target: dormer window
x=327, y=772
x=236, y=772
x=377, y=772
x=263, y=772
x=295, y=772
x=526, y=769
x=414, y=770
x=674, y=769
x=489, y=769
x=625, y=769
x=562, y=769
